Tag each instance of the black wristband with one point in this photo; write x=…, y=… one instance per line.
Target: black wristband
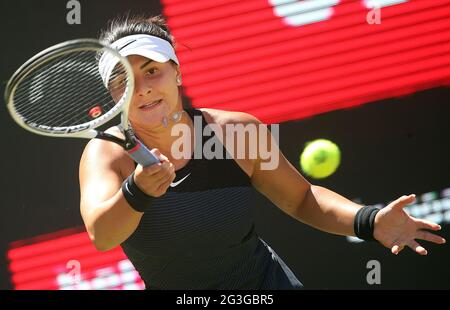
x=135, y=197
x=364, y=222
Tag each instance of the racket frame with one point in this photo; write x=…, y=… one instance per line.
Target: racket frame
x=135, y=148
x=85, y=130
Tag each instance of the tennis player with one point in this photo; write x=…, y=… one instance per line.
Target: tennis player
x=186, y=223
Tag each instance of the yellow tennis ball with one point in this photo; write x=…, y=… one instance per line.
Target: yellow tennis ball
x=320, y=158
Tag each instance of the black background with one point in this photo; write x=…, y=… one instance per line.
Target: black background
x=389, y=148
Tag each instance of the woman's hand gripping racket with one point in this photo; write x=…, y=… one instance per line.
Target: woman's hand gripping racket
x=72, y=88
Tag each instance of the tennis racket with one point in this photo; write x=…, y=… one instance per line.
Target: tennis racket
x=72, y=88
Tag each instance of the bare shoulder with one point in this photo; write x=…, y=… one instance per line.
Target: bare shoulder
x=106, y=156
x=222, y=117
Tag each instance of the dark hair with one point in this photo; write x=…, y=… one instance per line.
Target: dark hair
x=126, y=25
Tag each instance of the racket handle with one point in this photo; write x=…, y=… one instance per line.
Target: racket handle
x=142, y=155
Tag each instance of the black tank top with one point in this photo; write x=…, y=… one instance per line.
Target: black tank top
x=200, y=234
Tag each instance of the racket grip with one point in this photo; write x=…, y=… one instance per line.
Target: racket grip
x=142, y=155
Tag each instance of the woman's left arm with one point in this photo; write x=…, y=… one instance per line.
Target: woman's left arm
x=328, y=211
x=314, y=205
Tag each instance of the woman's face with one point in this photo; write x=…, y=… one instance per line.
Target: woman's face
x=156, y=92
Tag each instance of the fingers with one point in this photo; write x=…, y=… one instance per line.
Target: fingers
x=403, y=201
x=164, y=184
x=156, y=152
x=155, y=179
x=159, y=155
x=152, y=169
x=416, y=247
x=396, y=249
x=164, y=177
x=427, y=236
x=413, y=245
x=166, y=173
x=424, y=224
x=163, y=187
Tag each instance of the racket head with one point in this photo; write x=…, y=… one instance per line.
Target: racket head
x=65, y=91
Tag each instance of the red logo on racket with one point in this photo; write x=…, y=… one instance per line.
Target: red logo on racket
x=95, y=112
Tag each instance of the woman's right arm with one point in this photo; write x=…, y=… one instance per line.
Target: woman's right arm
x=108, y=217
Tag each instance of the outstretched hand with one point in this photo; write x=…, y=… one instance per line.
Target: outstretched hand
x=395, y=229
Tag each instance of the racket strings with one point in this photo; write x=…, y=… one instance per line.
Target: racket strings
x=41, y=76
x=68, y=110
x=33, y=112
x=67, y=91
x=56, y=98
x=61, y=94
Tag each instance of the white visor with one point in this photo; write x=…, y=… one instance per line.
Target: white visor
x=145, y=45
